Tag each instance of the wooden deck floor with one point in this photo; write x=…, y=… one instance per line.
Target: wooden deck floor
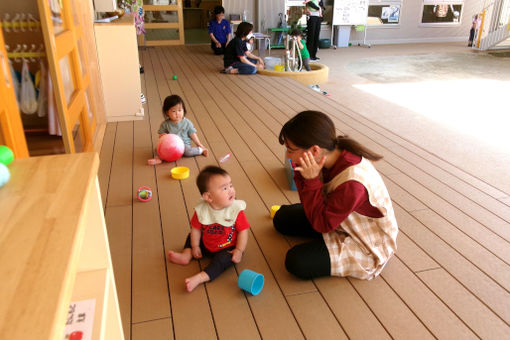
x=449, y=279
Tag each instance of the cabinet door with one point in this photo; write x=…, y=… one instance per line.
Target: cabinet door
x=11, y=128
x=68, y=72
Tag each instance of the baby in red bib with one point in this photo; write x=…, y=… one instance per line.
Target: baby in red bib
x=219, y=228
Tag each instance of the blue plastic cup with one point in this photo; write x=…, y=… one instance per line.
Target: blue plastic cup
x=251, y=281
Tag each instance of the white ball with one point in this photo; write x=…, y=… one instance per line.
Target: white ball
x=456, y=14
x=4, y=174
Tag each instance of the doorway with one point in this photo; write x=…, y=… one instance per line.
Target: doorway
x=197, y=14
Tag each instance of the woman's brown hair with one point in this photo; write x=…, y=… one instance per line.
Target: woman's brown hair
x=309, y=128
x=244, y=29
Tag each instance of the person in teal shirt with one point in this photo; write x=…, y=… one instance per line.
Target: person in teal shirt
x=305, y=55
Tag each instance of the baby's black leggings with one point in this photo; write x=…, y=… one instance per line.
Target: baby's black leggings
x=220, y=260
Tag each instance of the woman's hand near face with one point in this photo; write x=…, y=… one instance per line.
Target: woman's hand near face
x=308, y=167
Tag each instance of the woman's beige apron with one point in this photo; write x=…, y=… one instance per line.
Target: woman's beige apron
x=361, y=246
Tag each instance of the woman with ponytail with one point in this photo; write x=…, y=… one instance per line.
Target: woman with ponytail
x=345, y=207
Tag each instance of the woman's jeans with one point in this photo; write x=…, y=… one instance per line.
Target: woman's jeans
x=243, y=68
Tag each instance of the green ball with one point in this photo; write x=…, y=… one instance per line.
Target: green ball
x=6, y=155
x=174, y=77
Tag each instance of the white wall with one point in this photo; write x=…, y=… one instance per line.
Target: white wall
x=238, y=6
x=269, y=10
x=410, y=28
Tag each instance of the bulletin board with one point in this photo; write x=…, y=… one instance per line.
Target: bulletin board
x=350, y=12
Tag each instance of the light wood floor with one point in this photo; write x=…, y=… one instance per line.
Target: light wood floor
x=449, y=279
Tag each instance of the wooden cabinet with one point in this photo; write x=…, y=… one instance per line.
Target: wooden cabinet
x=54, y=248
x=65, y=30
x=119, y=66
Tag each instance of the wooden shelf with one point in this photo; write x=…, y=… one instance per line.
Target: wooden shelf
x=54, y=248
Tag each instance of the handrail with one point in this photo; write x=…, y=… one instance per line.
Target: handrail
x=495, y=33
x=20, y=21
x=489, y=5
x=20, y=24
x=15, y=55
x=494, y=38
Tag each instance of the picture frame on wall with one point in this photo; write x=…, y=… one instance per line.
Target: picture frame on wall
x=384, y=13
x=441, y=12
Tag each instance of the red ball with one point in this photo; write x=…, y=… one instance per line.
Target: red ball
x=170, y=147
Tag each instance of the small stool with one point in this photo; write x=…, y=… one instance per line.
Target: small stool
x=264, y=42
x=233, y=24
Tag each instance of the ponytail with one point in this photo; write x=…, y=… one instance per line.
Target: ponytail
x=349, y=144
x=309, y=128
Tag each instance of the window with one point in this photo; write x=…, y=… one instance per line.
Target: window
x=295, y=13
x=383, y=12
x=441, y=12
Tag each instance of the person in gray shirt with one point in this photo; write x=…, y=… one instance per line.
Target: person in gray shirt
x=174, y=111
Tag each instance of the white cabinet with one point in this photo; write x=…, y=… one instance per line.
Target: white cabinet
x=119, y=66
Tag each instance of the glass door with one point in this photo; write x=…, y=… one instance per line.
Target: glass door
x=163, y=23
x=197, y=15
x=63, y=38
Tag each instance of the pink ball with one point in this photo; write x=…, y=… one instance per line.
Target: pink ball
x=170, y=147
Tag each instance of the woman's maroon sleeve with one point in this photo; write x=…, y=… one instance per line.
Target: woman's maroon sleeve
x=326, y=214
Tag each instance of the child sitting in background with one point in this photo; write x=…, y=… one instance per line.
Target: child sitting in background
x=250, y=42
x=174, y=111
x=219, y=228
x=305, y=55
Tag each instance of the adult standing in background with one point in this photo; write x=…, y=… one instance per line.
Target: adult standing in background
x=313, y=26
x=475, y=25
